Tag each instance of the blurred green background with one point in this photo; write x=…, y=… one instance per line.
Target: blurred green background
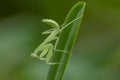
x=96, y=55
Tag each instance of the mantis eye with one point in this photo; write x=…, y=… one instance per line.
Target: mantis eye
x=51, y=22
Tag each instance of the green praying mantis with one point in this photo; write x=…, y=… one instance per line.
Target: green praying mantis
x=46, y=48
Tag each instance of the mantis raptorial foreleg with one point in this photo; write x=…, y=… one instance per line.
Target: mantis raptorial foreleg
x=50, y=54
x=43, y=53
x=34, y=55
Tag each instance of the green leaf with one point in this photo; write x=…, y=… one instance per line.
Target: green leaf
x=66, y=42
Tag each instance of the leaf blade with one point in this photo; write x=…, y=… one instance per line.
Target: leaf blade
x=66, y=42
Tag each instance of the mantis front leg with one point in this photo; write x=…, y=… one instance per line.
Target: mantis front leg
x=46, y=53
x=49, y=55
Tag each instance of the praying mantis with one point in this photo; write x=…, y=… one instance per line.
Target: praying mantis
x=46, y=48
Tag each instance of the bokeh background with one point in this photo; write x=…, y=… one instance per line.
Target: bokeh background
x=96, y=55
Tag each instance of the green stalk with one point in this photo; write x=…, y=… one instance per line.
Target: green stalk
x=66, y=42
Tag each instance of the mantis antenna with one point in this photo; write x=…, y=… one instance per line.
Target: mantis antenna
x=71, y=22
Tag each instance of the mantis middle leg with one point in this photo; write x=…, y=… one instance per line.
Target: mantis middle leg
x=57, y=38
